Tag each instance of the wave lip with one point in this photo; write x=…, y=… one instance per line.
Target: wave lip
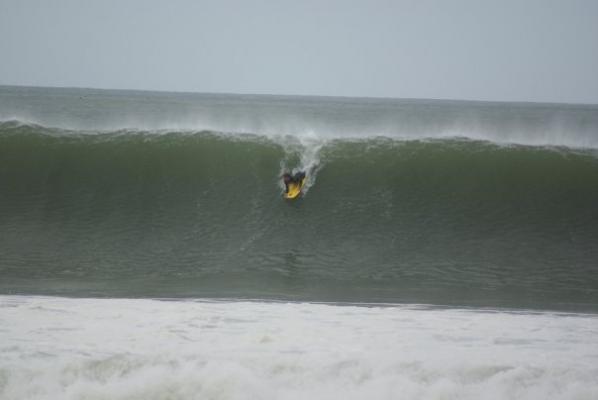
x=574, y=126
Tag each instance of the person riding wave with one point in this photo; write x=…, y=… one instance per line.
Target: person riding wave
x=289, y=179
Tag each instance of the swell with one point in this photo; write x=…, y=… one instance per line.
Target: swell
x=574, y=126
x=180, y=214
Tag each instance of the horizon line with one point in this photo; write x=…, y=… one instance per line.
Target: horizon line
x=226, y=93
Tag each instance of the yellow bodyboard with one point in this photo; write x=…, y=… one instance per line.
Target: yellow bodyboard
x=294, y=189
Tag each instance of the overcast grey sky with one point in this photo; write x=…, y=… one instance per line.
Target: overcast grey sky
x=513, y=50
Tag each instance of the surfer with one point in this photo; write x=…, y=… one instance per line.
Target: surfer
x=289, y=179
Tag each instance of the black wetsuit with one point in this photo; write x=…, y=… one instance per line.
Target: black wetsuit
x=297, y=178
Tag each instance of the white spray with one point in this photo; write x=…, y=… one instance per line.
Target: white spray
x=307, y=147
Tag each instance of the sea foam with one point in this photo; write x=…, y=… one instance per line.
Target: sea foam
x=60, y=348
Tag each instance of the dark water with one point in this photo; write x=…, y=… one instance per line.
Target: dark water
x=199, y=214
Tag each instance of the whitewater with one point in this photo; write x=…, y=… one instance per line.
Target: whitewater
x=150, y=349
x=443, y=249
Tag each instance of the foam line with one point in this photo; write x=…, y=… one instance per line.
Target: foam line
x=59, y=348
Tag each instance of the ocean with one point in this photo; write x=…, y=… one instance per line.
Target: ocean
x=441, y=249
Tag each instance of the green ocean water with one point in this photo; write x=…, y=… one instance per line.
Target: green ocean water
x=430, y=218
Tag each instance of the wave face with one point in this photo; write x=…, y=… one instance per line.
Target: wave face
x=200, y=214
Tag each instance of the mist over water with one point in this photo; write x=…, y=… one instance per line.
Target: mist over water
x=306, y=118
